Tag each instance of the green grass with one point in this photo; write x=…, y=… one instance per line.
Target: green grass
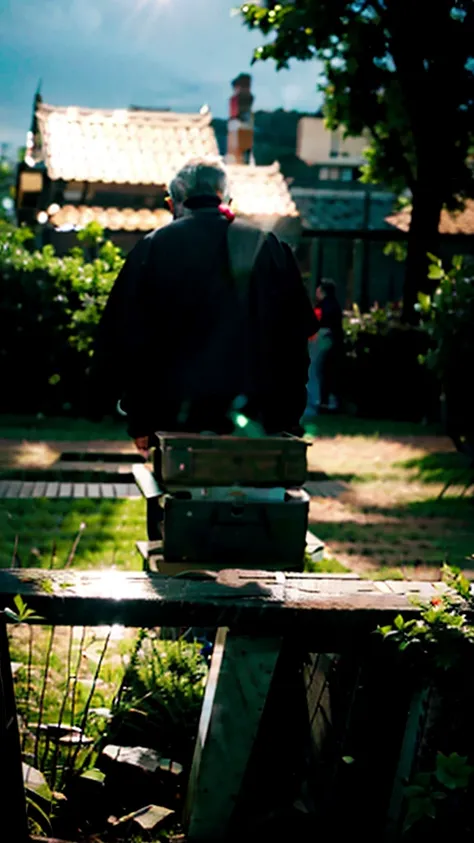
x=64, y=427
x=339, y=425
x=426, y=532
x=39, y=428
x=111, y=529
x=326, y=566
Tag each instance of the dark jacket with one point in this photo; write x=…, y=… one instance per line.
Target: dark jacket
x=331, y=318
x=178, y=343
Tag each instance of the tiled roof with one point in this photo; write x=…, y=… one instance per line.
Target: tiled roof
x=121, y=146
x=257, y=192
x=342, y=210
x=457, y=222
x=113, y=219
x=260, y=191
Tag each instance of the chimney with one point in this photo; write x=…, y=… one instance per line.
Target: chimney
x=240, y=123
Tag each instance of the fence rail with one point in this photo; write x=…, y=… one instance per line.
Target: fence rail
x=331, y=611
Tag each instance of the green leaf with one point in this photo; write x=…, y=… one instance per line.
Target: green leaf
x=36, y=783
x=19, y=603
x=435, y=272
x=11, y=615
x=348, y=759
x=399, y=623
x=423, y=780
x=40, y=817
x=424, y=301
x=420, y=808
x=94, y=775
x=414, y=790
x=453, y=771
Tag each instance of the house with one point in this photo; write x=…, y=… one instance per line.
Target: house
x=344, y=222
x=113, y=167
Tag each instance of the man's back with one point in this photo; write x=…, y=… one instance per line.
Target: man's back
x=194, y=338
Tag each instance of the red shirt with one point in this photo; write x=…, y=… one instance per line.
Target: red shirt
x=318, y=313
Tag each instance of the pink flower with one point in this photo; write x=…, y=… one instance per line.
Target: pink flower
x=227, y=212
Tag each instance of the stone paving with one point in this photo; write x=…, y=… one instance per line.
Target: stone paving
x=88, y=470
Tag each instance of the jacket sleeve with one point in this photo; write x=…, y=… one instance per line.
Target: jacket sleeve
x=288, y=323
x=119, y=337
x=301, y=306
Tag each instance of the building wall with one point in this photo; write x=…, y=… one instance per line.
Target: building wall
x=317, y=144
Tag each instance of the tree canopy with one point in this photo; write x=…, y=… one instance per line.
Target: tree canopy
x=404, y=71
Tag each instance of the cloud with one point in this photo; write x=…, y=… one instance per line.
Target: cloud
x=112, y=53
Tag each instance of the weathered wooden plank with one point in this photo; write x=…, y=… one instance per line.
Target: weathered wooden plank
x=79, y=490
x=333, y=613
x=52, y=489
x=14, y=819
x=39, y=489
x=107, y=490
x=26, y=490
x=93, y=490
x=4, y=484
x=14, y=488
x=416, y=714
x=239, y=680
x=133, y=491
x=121, y=490
x=65, y=490
x=316, y=674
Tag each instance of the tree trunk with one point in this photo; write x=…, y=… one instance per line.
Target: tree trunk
x=422, y=239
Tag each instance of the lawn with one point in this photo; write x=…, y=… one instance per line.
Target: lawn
x=39, y=428
x=47, y=530
x=388, y=520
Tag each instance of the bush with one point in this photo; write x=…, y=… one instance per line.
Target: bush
x=448, y=318
x=50, y=310
x=383, y=375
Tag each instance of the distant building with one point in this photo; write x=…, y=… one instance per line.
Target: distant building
x=344, y=220
x=85, y=164
x=240, y=124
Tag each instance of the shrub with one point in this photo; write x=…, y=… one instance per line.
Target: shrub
x=50, y=309
x=436, y=652
x=383, y=374
x=448, y=318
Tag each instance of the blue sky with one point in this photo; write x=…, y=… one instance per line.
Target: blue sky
x=114, y=53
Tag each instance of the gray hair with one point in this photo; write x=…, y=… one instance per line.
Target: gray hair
x=200, y=177
x=177, y=191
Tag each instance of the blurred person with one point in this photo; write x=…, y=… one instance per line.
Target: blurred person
x=325, y=349
x=206, y=310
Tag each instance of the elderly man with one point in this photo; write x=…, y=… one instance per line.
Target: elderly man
x=205, y=310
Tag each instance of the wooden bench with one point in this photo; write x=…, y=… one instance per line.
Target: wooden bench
x=264, y=620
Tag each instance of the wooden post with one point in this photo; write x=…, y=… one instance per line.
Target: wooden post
x=241, y=672
x=12, y=804
x=411, y=738
x=358, y=270
x=365, y=270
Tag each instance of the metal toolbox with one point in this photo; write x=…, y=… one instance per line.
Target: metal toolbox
x=237, y=533
x=186, y=460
